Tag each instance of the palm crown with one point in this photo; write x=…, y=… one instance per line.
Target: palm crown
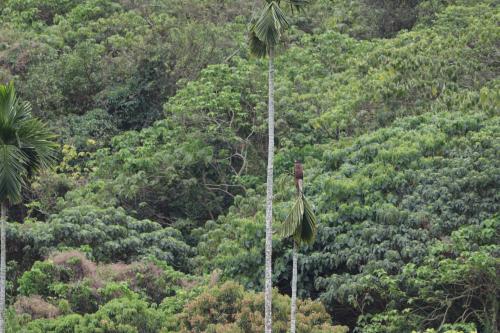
x=269, y=24
x=26, y=144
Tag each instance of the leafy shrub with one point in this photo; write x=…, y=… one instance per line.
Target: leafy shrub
x=228, y=308
x=37, y=280
x=91, y=130
x=109, y=233
x=71, y=278
x=124, y=315
x=81, y=295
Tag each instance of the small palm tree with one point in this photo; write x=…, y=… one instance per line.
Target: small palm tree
x=265, y=34
x=300, y=224
x=26, y=146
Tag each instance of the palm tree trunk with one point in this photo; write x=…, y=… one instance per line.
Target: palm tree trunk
x=3, y=268
x=293, y=307
x=269, y=201
x=293, y=310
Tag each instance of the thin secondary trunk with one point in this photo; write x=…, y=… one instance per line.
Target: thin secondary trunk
x=493, y=322
x=293, y=306
x=269, y=201
x=294, y=289
x=3, y=268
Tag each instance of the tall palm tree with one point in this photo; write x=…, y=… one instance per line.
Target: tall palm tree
x=26, y=146
x=300, y=224
x=265, y=34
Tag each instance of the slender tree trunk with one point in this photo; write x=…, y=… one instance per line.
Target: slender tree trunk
x=293, y=306
x=493, y=321
x=293, y=310
x=269, y=201
x=3, y=268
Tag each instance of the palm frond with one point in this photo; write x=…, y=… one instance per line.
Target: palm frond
x=293, y=220
x=269, y=25
x=36, y=140
x=257, y=47
x=11, y=109
x=308, y=225
x=12, y=171
x=26, y=144
x=300, y=222
x=7, y=102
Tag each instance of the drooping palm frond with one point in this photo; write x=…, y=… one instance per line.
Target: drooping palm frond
x=308, y=225
x=37, y=142
x=300, y=222
x=12, y=170
x=7, y=101
x=266, y=29
x=257, y=47
x=271, y=24
x=292, y=222
x=11, y=110
x=26, y=144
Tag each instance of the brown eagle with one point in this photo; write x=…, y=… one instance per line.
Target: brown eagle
x=299, y=175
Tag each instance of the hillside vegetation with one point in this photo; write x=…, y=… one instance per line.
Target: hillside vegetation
x=153, y=219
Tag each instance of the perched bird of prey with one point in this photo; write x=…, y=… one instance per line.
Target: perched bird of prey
x=299, y=175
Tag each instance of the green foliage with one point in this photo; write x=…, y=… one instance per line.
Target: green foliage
x=113, y=234
x=456, y=282
x=378, y=208
x=409, y=74
x=94, y=128
x=265, y=32
x=122, y=57
x=159, y=173
x=212, y=308
x=227, y=308
x=459, y=277
x=123, y=315
x=110, y=234
x=37, y=280
x=399, y=136
x=76, y=284
x=235, y=242
x=192, y=164
x=374, y=18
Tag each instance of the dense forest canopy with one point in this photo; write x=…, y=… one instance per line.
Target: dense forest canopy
x=152, y=219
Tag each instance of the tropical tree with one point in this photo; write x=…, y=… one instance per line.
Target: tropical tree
x=26, y=146
x=300, y=224
x=265, y=34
